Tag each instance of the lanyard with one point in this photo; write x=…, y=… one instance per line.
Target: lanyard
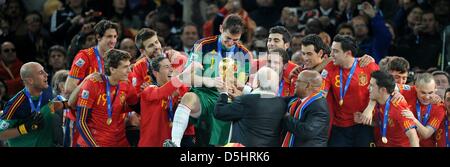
x=170, y=111
x=99, y=62
x=33, y=108
x=386, y=118
x=289, y=139
x=447, y=141
x=108, y=99
x=426, y=116
x=280, y=88
x=219, y=47
x=347, y=84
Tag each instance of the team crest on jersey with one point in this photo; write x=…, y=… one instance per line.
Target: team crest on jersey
x=324, y=73
x=134, y=81
x=122, y=98
x=85, y=94
x=362, y=79
x=4, y=125
x=80, y=62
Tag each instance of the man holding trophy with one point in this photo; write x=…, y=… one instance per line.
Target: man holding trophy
x=224, y=60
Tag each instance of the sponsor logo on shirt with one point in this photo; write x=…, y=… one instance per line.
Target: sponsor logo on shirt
x=85, y=94
x=80, y=62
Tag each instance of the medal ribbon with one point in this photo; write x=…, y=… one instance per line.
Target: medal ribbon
x=349, y=79
x=33, y=108
x=386, y=117
x=99, y=62
x=108, y=97
x=427, y=114
x=289, y=139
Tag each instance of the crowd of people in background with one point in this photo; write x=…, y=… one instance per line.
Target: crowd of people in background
x=287, y=73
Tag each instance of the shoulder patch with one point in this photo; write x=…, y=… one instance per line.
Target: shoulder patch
x=80, y=62
x=4, y=125
x=324, y=73
x=85, y=94
x=134, y=81
x=406, y=87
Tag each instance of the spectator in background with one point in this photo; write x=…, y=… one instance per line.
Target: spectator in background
x=123, y=15
x=9, y=68
x=289, y=19
x=81, y=41
x=214, y=19
x=67, y=21
x=442, y=80
x=49, y=7
x=377, y=44
x=267, y=14
x=259, y=41
x=15, y=13
x=33, y=45
x=296, y=42
x=3, y=94
x=189, y=35
x=345, y=29
x=442, y=11
x=422, y=47
x=128, y=45
x=57, y=60
x=62, y=123
x=328, y=15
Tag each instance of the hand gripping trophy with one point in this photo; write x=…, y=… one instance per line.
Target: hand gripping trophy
x=227, y=69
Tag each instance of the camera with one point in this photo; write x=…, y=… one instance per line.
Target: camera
x=360, y=7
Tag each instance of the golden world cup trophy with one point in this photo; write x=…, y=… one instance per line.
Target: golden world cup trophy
x=226, y=71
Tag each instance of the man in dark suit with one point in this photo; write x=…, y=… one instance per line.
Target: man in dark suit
x=308, y=119
x=256, y=116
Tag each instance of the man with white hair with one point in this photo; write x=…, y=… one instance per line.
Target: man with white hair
x=257, y=116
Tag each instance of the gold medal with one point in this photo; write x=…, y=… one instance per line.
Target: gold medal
x=341, y=102
x=384, y=139
x=109, y=121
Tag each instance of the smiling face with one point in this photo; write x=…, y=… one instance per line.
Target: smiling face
x=152, y=47
x=165, y=72
x=311, y=58
x=275, y=40
x=425, y=92
x=122, y=70
x=108, y=40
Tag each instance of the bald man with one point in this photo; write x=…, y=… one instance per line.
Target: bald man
x=308, y=119
x=27, y=120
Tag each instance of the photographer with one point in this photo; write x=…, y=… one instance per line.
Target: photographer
x=69, y=20
x=422, y=47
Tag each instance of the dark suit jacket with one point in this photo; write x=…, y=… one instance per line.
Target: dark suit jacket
x=257, y=121
x=312, y=128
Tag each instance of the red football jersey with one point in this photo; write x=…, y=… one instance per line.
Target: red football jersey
x=396, y=128
x=356, y=97
x=439, y=135
x=85, y=63
x=288, y=88
x=92, y=113
x=140, y=74
x=436, y=115
x=155, y=124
